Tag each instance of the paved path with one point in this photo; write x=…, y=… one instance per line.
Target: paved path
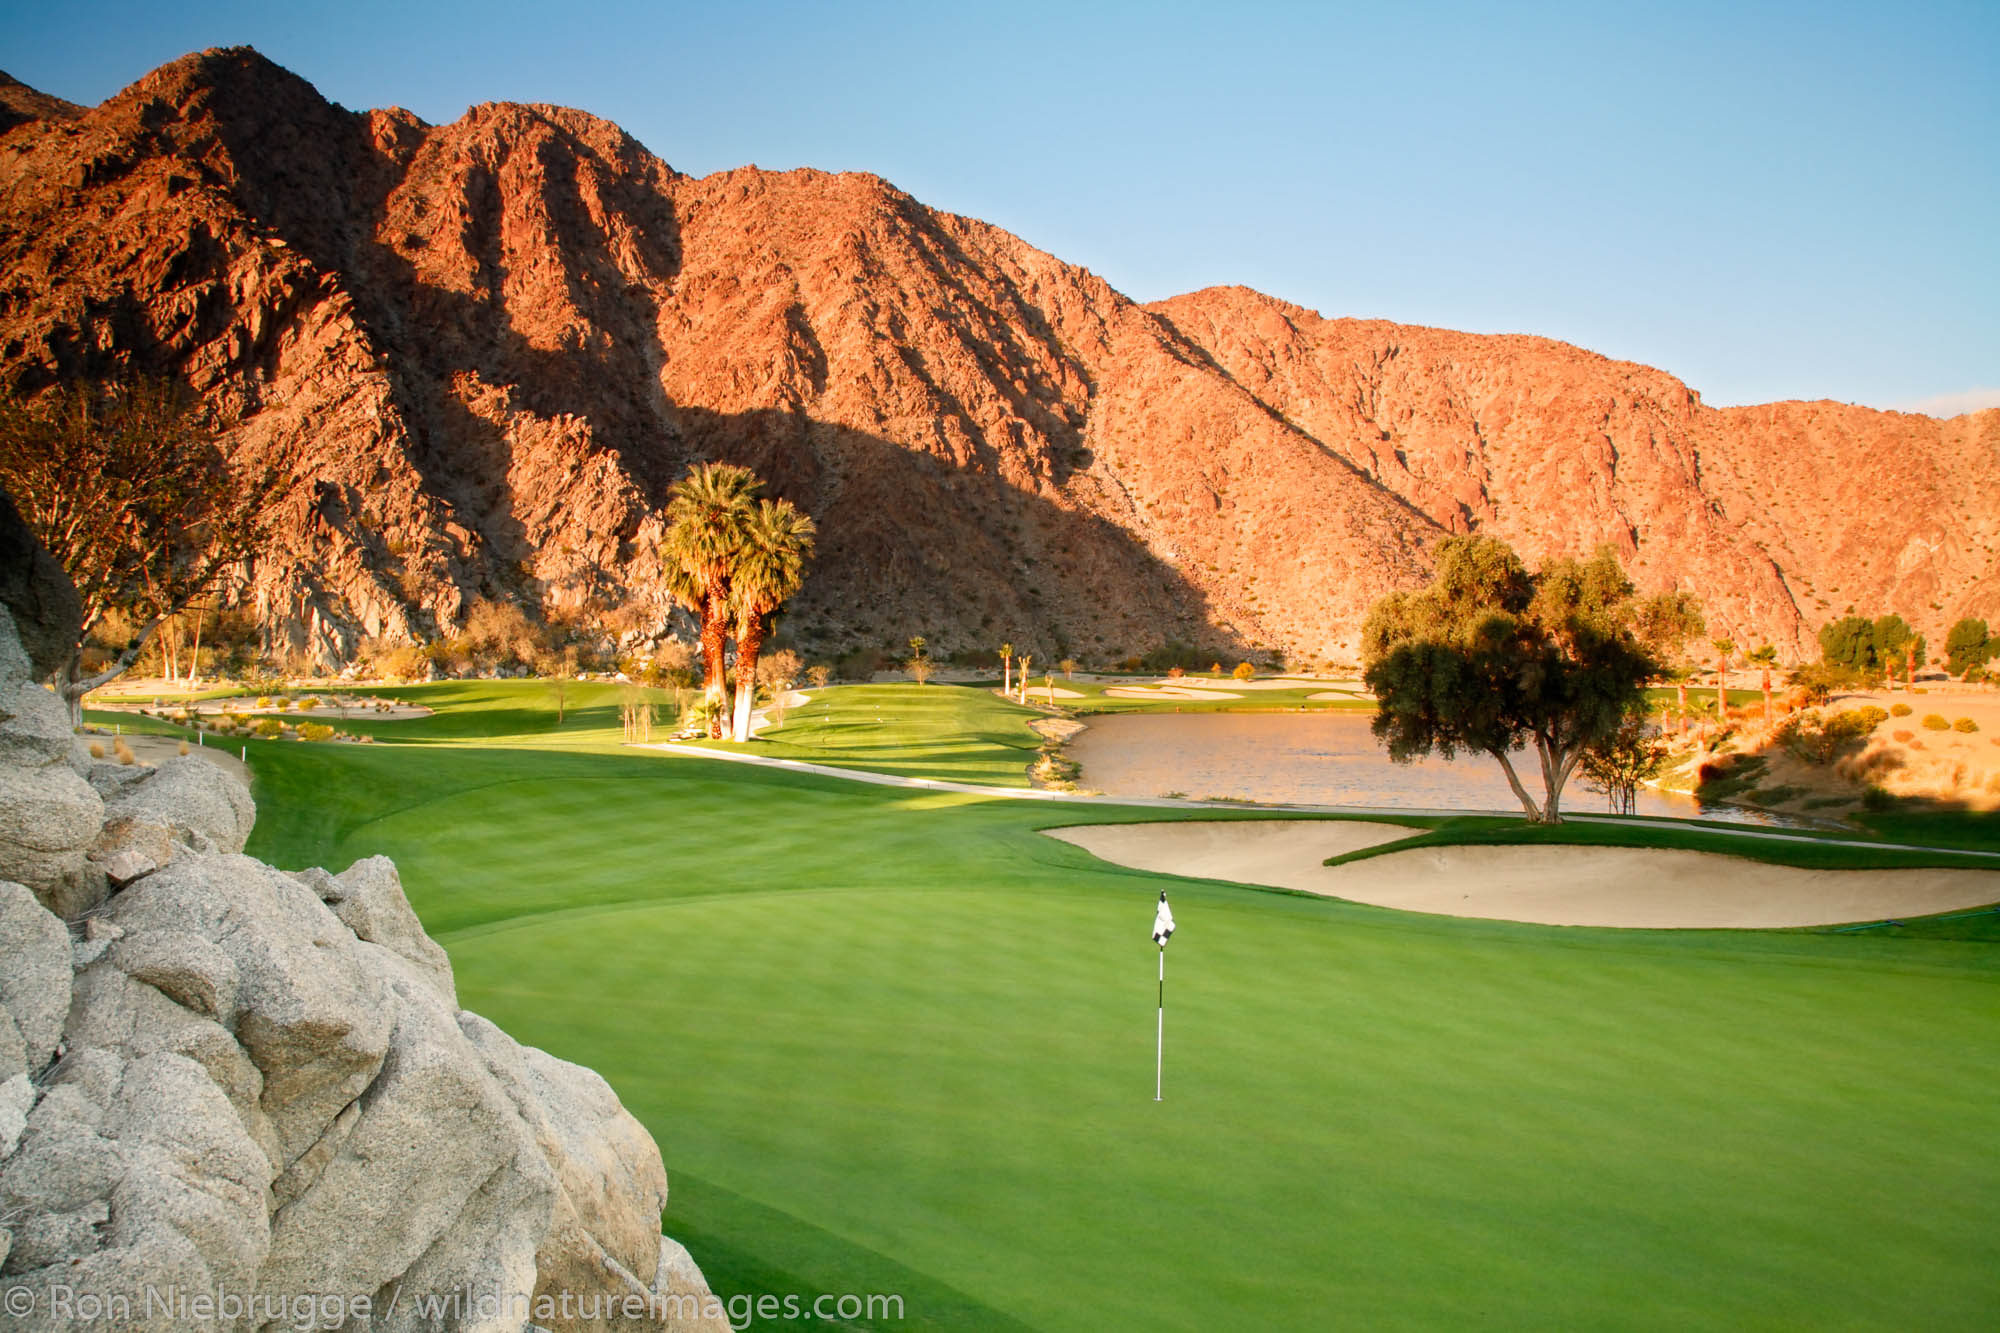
x=1170, y=803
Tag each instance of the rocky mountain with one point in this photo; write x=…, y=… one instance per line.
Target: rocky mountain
x=479, y=353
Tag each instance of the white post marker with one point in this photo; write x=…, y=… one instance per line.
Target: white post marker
x=1163, y=930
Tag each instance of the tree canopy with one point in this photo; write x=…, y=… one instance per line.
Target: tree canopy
x=1966, y=646
x=1869, y=646
x=127, y=488
x=1494, y=659
x=733, y=558
x=707, y=513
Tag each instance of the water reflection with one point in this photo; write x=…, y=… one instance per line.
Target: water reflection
x=1319, y=759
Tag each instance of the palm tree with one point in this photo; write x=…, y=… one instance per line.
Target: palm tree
x=1007, y=668
x=1723, y=649
x=1766, y=657
x=707, y=513
x=777, y=542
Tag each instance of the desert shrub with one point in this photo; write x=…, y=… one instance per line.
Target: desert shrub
x=1817, y=738
x=1871, y=716
x=1175, y=673
x=263, y=701
x=97, y=749
x=1900, y=710
x=819, y=673
x=1244, y=671
x=779, y=671
x=1936, y=722
x=1720, y=778
x=402, y=661
x=182, y=748
x=674, y=665
x=268, y=728
x=310, y=701
x=1817, y=681
x=1965, y=724
x=1876, y=798
x=1132, y=663
x=1904, y=736
x=1172, y=653
x=315, y=731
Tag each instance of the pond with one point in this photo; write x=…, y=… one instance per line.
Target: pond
x=1320, y=759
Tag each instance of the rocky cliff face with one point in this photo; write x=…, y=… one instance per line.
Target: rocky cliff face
x=480, y=352
x=226, y=1090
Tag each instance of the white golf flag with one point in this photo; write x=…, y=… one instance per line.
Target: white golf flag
x=1163, y=922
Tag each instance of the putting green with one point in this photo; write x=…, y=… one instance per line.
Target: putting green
x=895, y=1041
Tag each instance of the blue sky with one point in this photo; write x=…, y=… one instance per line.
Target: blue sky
x=1770, y=201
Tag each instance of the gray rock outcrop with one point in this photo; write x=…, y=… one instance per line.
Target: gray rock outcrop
x=49, y=815
x=220, y=1080
x=43, y=603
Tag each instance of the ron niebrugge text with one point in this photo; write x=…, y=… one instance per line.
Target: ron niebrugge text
x=306, y=1311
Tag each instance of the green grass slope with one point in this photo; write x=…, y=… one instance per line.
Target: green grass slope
x=896, y=1041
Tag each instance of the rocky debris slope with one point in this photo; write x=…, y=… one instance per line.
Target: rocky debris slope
x=220, y=1080
x=478, y=353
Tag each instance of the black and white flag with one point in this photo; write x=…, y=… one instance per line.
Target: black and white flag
x=1163, y=921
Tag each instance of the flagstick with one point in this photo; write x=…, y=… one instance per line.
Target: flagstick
x=1160, y=1054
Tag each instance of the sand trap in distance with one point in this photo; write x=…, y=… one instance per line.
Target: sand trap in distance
x=1167, y=692
x=1560, y=886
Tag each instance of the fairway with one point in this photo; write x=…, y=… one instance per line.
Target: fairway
x=898, y=1042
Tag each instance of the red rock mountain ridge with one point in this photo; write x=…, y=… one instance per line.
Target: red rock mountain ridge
x=480, y=353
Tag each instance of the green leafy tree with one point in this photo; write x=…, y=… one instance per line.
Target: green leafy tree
x=1493, y=659
x=127, y=488
x=1896, y=642
x=707, y=513
x=1967, y=646
x=1620, y=763
x=1665, y=624
x=1849, y=642
x=770, y=567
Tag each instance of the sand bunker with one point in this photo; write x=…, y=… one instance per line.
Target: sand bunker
x=154, y=750
x=1559, y=886
x=355, y=710
x=1167, y=692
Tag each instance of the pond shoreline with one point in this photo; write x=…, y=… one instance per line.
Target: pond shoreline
x=1318, y=757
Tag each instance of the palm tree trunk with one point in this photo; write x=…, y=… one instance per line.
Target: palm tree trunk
x=749, y=642
x=1767, y=696
x=1681, y=690
x=714, y=646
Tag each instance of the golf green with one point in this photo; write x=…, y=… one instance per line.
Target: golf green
x=897, y=1042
